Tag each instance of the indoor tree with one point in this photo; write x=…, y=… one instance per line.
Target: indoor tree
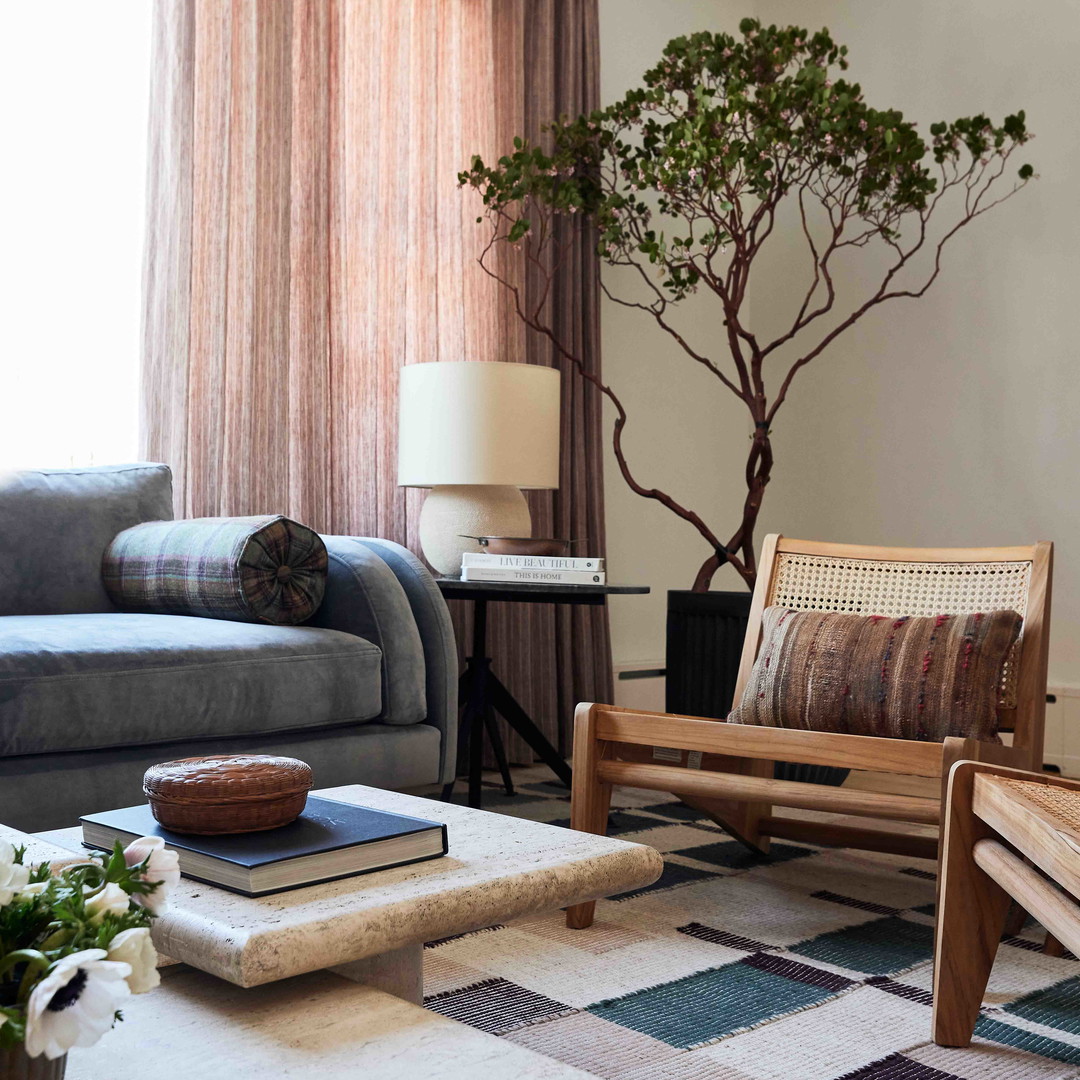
x=682, y=181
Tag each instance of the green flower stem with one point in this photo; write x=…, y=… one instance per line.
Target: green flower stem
x=58, y=938
x=36, y=963
x=90, y=891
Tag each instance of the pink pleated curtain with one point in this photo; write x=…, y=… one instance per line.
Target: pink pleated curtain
x=306, y=237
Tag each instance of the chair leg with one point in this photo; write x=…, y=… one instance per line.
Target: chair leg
x=590, y=800
x=970, y=918
x=953, y=749
x=1015, y=919
x=1053, y=947
x=593, y=820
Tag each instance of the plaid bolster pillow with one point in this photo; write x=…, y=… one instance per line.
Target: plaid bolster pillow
x=905, y=678
x=249, y=569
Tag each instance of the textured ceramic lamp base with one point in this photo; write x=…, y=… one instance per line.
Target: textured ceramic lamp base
x=453, y=512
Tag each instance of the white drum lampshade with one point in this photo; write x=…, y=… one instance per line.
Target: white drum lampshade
x=476, y=433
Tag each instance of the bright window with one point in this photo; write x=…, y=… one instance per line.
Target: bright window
x=74, y=85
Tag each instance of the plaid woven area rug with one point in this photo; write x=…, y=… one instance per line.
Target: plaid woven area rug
x=812, y=965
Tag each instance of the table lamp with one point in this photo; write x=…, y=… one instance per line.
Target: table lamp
x=476, y=433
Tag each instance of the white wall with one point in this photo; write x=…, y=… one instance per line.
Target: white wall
x=954, y=419
x=687, y=434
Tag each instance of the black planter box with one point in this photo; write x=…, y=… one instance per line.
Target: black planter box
x=705, y=634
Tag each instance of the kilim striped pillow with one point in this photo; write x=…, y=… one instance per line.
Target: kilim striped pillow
x=250, y=569
x=900, y=678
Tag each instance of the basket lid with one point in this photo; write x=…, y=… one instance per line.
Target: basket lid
x=226, y=778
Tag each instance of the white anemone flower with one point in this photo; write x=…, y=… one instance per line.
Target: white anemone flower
x=163, y=867
x=134, y=948
x=13, y=875
x=28, y=892
x=112, y=900
x=75, y=1004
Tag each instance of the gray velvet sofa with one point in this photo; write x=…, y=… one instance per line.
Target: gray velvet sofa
x=90, y=696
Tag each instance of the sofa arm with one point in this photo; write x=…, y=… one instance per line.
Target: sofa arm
x=432, y=619
x=363, y=597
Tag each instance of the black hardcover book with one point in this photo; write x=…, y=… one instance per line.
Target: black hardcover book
x=328, y=840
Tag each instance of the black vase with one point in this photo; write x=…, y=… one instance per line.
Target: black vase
x=705, y=633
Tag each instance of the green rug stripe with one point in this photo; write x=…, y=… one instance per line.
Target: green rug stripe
x=1055, y=1006
x=878, y=947
x=710, y=1004
x=1007, y=1035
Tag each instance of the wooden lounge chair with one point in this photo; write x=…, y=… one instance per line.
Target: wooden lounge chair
x=996, y=819
x=726, y=770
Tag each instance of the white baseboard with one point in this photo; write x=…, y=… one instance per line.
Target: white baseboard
x=1063, y=729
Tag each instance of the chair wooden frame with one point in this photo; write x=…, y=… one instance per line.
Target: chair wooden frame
x=995, y=837
x=726, y=770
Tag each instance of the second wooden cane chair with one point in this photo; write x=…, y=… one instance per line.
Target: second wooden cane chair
x=1009, y=836
x=726, y=770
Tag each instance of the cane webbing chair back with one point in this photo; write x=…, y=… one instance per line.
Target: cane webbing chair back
x=811, y=576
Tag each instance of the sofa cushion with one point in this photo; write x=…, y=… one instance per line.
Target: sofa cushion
x=55, y=525
x=266, y=569
x=88, y=681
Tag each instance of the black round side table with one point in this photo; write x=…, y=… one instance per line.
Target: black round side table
x=481, y=694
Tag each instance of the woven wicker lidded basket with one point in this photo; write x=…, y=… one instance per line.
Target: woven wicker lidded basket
x=227, y=793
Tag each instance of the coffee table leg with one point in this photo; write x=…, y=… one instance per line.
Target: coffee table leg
x=399, y=972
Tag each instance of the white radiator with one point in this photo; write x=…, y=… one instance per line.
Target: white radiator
x=1063, y=729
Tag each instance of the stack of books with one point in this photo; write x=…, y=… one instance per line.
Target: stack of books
x=329, y=840
x=536, y=569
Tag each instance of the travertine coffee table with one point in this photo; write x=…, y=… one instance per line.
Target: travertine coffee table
x=372, y=927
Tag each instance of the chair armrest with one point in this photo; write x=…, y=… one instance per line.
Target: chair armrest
x=432, y=619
